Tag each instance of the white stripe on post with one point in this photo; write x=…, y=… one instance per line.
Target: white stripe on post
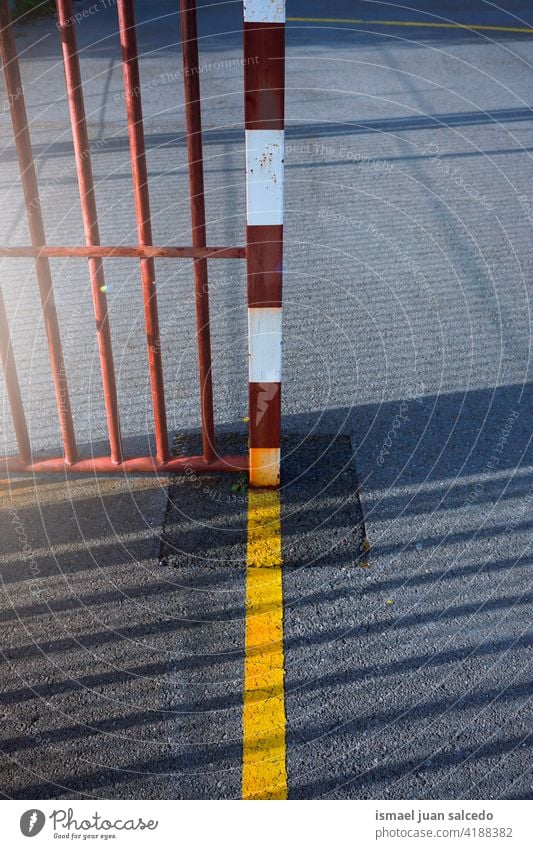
x=264, y=333
x=264, y=176
x=264, y=11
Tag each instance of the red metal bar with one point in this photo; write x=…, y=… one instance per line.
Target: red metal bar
x=193, y=117
x=96, y=465
x=90, y=221
x=13, y=387
x=35, y=222
x=130, y=67
x=137, y=251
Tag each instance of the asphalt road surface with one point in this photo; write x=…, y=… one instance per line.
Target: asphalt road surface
x=407, y=410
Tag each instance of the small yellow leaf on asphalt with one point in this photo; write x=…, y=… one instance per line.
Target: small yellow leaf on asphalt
x=389, y=601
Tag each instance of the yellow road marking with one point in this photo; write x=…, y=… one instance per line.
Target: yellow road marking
x=435, y=25
x=264, y=774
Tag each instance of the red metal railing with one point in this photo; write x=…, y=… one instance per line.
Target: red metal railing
x=145, y=251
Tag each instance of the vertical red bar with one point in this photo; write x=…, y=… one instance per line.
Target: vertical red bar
x=90, y=221
x=264, y=89
x=13, y=387
x=35, y=222
x=132, y=87
x=191, y=74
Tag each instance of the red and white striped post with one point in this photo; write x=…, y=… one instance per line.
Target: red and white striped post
x=264, y=90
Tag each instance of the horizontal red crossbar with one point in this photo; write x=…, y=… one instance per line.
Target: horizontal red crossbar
x=142, y=251
x=94, y=465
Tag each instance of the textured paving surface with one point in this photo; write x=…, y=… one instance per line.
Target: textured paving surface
x=407, y=327
x=88, y=639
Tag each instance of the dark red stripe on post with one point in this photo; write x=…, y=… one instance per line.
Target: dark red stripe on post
x=132, y=87
x=265, y=408
x=90, y=221
x=19, y=120
x=264, y=76
x=264, y=252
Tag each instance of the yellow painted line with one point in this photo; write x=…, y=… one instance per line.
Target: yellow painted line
x=264, y=773
x=435, y=25
x=327, y=20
